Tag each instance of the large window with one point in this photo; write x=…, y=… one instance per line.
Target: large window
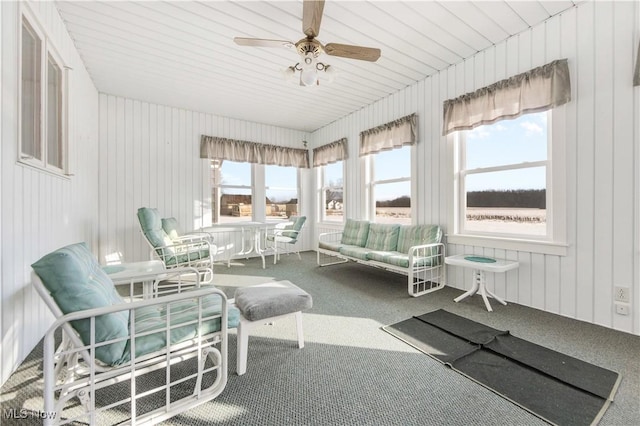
x=281, y=186
x=504, y=178
x=331, y=192
x=232, y=191
x=390, y=186
x=42, y=100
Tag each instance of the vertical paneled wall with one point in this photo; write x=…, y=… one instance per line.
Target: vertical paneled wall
x=40, y=212
x=150, y=157
x=601, y=137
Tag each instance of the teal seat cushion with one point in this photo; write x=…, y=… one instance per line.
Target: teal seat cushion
x=170, y=227
x=181, y=258
x=76, y=282
x=415, y=235
x=355, y=232
x=383, y=237
x=330, y=246
x=400, y=259
x=355, y=251
x=151, y=318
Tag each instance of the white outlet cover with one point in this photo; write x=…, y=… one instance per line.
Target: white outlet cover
x=622, y=308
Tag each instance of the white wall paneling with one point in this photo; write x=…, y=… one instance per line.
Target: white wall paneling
x=600, y=134
x=150, y=157
x=40, y=212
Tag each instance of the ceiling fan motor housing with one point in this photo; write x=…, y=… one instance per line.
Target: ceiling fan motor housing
x=312, y=46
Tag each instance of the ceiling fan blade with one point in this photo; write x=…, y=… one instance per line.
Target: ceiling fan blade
x=260, y=42
x=311, y=17
x=353, y=52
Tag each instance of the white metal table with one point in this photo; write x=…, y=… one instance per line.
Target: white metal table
x=250, y=231
x=480, y=265
x=127, y=273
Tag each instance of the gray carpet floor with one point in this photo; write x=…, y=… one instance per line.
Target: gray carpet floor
x=351, y=372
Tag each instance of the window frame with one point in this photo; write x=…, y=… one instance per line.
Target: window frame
x=267, y=188
x=47, y=51
x=554, y=242
x=322, y=188
x=370, y=161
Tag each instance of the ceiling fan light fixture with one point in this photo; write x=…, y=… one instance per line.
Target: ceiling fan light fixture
x=308, y=77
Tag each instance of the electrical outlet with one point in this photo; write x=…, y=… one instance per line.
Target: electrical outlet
x=622, y=308
x=621, y=294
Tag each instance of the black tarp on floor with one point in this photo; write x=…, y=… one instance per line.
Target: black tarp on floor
x=555, y=387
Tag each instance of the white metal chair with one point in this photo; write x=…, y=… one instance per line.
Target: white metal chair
x=188, y=252
x=145, y=361
x=285, y=236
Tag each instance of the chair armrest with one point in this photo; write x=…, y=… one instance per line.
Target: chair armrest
x=183, y=247
x=330, y=237
x=176, y=275
x=436, y=250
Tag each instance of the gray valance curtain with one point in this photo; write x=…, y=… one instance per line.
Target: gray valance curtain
x=636, y=74
x=330, y=153
x=536, y=90
x=215, y=148
x=395, y=134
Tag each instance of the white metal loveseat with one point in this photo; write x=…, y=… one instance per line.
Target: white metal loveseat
x=136, y=362
x=416, y=251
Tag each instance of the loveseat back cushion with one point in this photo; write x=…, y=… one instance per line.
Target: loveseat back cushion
x=75, y=280
x=355, y=232
x=415, y=235
x=170, y=227
x=383, y=237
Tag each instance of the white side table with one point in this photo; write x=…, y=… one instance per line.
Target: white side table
x=481, y=265
x=127, y=273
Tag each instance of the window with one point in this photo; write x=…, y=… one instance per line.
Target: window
x=390, y=186
x=232, y=191
x=281, y=187
x=331, y=194
x=504, y=179
x=43, y=100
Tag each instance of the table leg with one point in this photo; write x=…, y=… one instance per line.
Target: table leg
x=483, y=289
x=256, y=237
x=474, y=289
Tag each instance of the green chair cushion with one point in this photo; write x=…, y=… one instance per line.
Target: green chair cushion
x=170, y=227
x=150, y=318
x=355, y=251
x=330, y=246
x=355, y=232
x=186, y=257
x=415, y=235
x=296, y=225
x=76, y=282
x=383, y=237
x=151, y=225
x=400, y=259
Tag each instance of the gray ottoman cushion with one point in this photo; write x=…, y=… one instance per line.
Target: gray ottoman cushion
x=260, y=302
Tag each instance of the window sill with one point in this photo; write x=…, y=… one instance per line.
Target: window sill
x=38, y=167
x=532, y=246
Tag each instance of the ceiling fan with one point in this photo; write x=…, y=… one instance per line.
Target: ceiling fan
x=309, y=48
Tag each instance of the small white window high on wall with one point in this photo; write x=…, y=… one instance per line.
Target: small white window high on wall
x=509, y=181
x=43, y=99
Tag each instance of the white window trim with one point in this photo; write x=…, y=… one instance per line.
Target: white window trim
x=266, y=188
x=555, y=243
x=47, y=49
x=321, y=197
x=370, y=201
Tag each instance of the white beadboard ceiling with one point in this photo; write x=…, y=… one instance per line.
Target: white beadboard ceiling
x=182, y=53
